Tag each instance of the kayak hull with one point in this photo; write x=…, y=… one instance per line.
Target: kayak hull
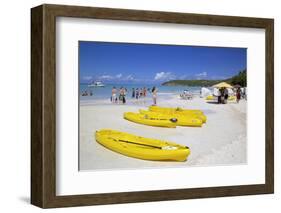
x=181, y=120
x=179, y=111
x=146, y=120
x=140, y=147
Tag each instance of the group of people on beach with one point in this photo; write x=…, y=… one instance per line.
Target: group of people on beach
x=122, y=95
x=119, y=96
x=223, y=95
x=87, y=93
x=139, y=92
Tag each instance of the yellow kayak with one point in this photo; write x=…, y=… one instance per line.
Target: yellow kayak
x=140, y=147
x=150, y=121
x=210, y=98
x=180, y=120
x=179, y=111
x=230, y=98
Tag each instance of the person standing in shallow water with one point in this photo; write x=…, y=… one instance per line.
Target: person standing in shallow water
x=154, y=95
x=113, y=95
x=144, y=92
x=123, y=95
x=137, y=93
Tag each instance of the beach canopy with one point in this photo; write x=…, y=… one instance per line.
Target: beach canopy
x=222, y=84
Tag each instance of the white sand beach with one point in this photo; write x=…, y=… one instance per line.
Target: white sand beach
x=221, y=141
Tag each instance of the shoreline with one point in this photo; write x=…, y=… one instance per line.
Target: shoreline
x=129, y=100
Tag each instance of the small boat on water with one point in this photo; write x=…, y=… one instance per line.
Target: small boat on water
x=96, y=84
x=140, y=147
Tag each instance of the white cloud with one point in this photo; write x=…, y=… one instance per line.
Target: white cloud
x=106, y=77
x=184, y=77
x=129, y=78
x=86, y=78
x=201, y=75
x=119, y=75
x=162, y=76
x=110, y=77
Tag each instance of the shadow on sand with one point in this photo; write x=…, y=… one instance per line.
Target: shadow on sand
x=211, y=102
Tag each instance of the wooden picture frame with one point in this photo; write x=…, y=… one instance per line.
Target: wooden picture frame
x=43, y=105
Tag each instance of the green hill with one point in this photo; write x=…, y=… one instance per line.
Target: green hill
x=240, y=78
x=202, y=83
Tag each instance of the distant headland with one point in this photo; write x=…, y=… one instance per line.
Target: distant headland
x=240, y=78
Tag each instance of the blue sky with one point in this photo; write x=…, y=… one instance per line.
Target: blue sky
x=153, y=63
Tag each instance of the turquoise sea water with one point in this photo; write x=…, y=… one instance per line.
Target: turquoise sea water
x=101, y=93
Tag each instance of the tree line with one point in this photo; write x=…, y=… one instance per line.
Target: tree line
x=239, y=79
